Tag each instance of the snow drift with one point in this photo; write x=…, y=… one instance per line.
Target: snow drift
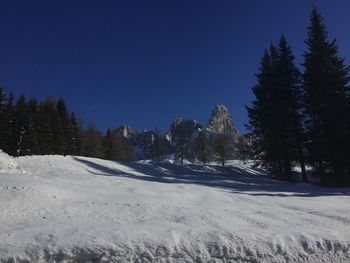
x=7, y=163
x=75, y=209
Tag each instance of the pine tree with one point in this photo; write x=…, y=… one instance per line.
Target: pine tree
x=92, y=143
x=113, y=146
x=3, y=126
x=64, y=126
x=275, y=120
x=326, y=87
x=30, y=141
x=53, y=135
x=9, y=139
x=182, y=151
x=21, y=125
x=289, y=83
x=74, y=138
x=221, y=148
x=28, y=128
x=44, y=131
x=202, y=147
x=243, y=148
x=263, y=124
x=157, y=147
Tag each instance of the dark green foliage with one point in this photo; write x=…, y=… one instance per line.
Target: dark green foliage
x=289, y=100
x=112, y=146
x=326, y=86
x=56, y=132
x=44, y=129
x=221, y=148
x=8, y=141
x=261, y=123
x=202, y=147
x=158, y=145
x=31, y=143
x=183, y=152
x=73, y=136
x=243, y=148
x=64, y=127
x=292, y=120
x=21, y=127
x=274, y=118
x=28, y=127
x=3, y=125
x=92, y=143
x=116, y=147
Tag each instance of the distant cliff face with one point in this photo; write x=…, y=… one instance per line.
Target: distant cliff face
x=181, y=130
x=182, y=133
x=126, y=131
x=221, y=122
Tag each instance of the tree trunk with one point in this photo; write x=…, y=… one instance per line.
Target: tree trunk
x=301, y=158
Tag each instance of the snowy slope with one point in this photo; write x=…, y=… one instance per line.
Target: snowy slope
x=79, y=209
x=7, y=163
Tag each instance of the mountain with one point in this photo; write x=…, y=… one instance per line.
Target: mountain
x=144, y=142
x=126, y=131
x=221, y=122
x=182, y=132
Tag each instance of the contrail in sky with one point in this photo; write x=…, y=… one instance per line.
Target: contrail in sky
x=102, y=99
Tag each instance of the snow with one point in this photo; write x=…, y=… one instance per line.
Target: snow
x=7, y=163
x=76, y=209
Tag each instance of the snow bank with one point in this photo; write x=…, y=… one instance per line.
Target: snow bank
x=7, y=163
x=75, y=209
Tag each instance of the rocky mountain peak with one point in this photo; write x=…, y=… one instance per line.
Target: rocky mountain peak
x=181, y=130
x=126, y=131
x=221, y=121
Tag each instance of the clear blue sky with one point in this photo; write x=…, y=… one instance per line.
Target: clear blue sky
x=144, y=63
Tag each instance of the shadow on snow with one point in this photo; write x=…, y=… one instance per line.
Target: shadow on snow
x=237, y=179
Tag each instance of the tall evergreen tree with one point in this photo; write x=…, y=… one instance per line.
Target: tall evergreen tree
x=30, y=141
x=262, y=124
x=21, y=125
x=221, y=148
x=3, y=126
x=243, y=148
x=44, y=130
x=74, y=137
x=290, y=106
x=9, y=142
x=92, y=143
x=157, y=146
x=64, y=126
x=326, y=87
x=275, y=117
x=113, y=147
x=54, y=135
x=202, y=148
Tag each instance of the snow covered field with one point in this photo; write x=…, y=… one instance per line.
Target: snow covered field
x=75, y=209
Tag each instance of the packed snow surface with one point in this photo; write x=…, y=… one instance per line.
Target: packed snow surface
x=7, y=163
x=75, y=209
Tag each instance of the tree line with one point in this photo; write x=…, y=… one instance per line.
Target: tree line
x=30, y=127
x=303, y=116
x=111, y=146
x=208, y=147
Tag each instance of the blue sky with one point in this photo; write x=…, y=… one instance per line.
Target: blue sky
x=144, y=63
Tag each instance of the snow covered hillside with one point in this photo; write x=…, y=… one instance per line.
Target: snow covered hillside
x=76, y=209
